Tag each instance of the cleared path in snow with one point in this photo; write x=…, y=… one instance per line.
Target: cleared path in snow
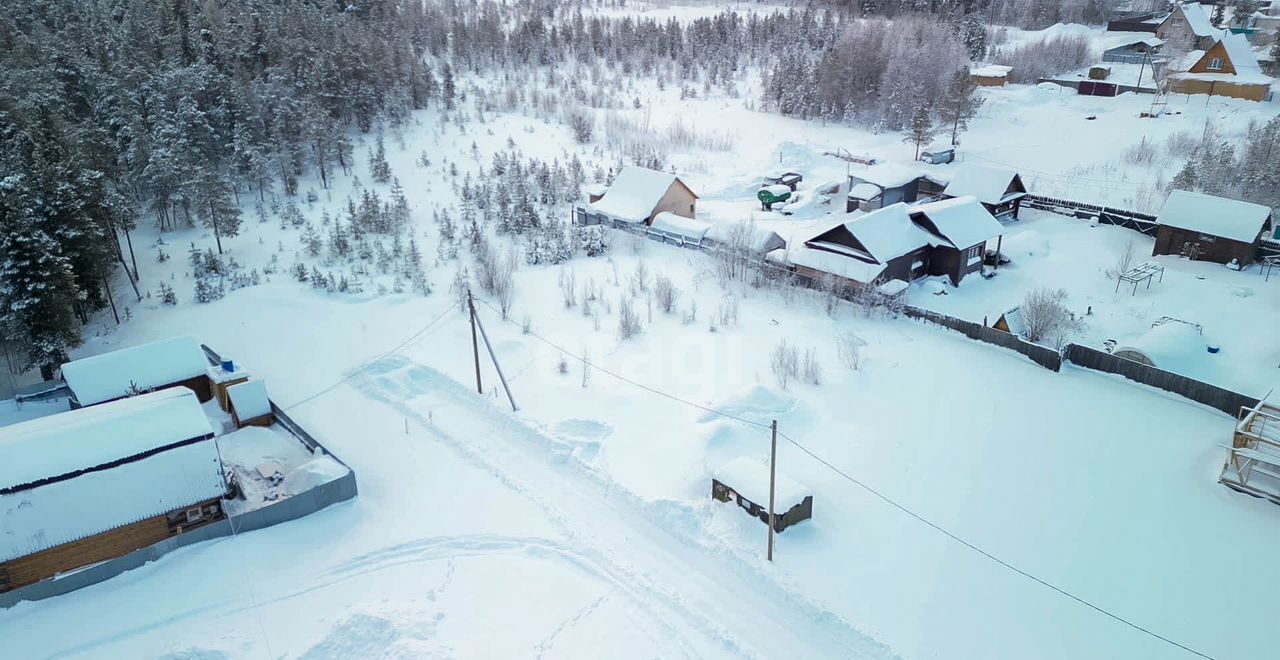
x=638, y=545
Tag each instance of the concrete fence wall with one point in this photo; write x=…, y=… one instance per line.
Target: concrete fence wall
x=1210, y=395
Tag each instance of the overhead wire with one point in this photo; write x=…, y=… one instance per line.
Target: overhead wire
x=857, y=482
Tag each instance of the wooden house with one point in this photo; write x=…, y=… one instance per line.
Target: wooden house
x=1227, y=68
x=999, y=189
x=900, y=242
x=1187, y=27
x=1209, y=228
x=745, y=482
x=1131, y=47
x=174, y=362
x=966, y=226
x=97, y=483
x=638, y=194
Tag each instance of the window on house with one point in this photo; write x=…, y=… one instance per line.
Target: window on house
x=193, y=515
x=1215, y=64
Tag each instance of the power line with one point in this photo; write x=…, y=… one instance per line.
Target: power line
x=824, y=462
x=420, y=333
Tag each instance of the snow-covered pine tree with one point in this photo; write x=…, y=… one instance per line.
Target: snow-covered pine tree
x=960, y=103
x=921, y=129
x=379, y=169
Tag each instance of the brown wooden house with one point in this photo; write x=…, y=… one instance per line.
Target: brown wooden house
x=97, y=483
x=1208, y=228
x=1228, y=68
x=173, y=362
x=901, y=242
x=999, y=189
x=637, y=194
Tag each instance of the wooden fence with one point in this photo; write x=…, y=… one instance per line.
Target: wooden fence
x=1107, y=215
x=1210, y=395
x=1041, y=355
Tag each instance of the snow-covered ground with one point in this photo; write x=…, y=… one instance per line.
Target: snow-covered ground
x=581, y=525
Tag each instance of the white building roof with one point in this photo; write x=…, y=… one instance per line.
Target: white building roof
x=84, y=472
x=679, y=225
x=88, y=437
x=1216, y=216
x=750, y=478
x=757, y=238
x=634, y=194
x=110, y=375
x=986, y=183
x=864, y=191
x=848, y=267
x=1240, y=54
x=888, y=233
x=1113, y=40
x=249, y=399
x=991, y=71
x=887, y=175
x=962, y=220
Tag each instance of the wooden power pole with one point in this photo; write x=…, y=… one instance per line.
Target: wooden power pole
x=773, y=473
x=475, y=344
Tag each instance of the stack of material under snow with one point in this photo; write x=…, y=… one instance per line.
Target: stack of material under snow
x=105, y=478
x=154, y=366
x=679, y=228
x=744, y=235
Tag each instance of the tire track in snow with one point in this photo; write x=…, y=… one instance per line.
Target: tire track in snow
x=617, y=534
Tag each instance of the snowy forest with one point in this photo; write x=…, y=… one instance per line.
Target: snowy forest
x=127, y=113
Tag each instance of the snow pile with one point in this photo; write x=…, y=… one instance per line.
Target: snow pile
x=113, y=375
x=1216, y=216
x=316, y=472
x=864, y=191
x=750, y=478
x=634, y=194
x=1173, y=346
x=1025, y=243
x=757, y=403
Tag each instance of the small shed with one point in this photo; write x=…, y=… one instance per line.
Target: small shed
x=95, y=483
x=177, y=361
x=940, y=155
x=745, y=481
x=249, y=404
x=1099, y=72
x=990, y=75
x=881, y=185
x=678, y=229
x=788, y=179
x=1204, y=227
x=1130, y=47
x=999, y=189
x=1010, y=321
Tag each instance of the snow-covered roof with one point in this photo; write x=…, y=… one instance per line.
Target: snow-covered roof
x=83, y=472
x=778, y=189
x=887, y=175
x=986, y=183
x=249, y=399
x=87, y=437
x=1216, y=216
x=110, y=375
x=1113, y=40
x=679, y=225
x=757, y=238
x=1170, y=346
x=1197, y=20
x=962, y=220
x=750, y=478
x=1240, y=54
x=594, y=188
x=864, y=191
x=634, y=194
x=835, y=264
x=991, y=71
x=893, y=287
x=1013, y=319
x=889, y=233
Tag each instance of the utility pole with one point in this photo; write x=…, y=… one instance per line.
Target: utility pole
x=773, y=472
x=497, y=367
x=475, y=344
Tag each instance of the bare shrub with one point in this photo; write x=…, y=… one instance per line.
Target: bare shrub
x=666, y=293
x=849, y=350
x=785, y=363
x=1125, y=255
x=497, y=277
x=735, y=256
x=832, y=290
x=526, y=325
x=1181, y=144
x=1041, y=59
x=728, y=313
x=691, y=316
x=1046, y=320
x=628, y=320
x=562, y=367
x=1143, y=153
x=581, y=125
x=640, y=278
x=568, y=288
x=811, y=368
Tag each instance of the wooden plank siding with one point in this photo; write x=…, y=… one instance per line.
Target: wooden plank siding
x=1170, y=240
x=102, y=547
